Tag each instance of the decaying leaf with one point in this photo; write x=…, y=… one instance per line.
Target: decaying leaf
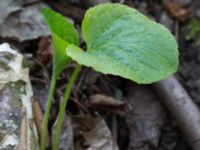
x=66, y=136
x=85, y=132
x=177, y=11
x=99, y=101
x=103, y=100
x=45, y=50
x=92, y=134
x=15, y=96
x=144, y=117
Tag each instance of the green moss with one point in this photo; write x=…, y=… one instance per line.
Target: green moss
x=193, y=31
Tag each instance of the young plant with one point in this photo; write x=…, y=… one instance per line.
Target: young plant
x=120, y=41
x=63, y=34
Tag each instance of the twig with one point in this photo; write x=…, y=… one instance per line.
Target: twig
x=46, y=74
x=38, y=119
x=114, y=127
x=23, y=131
x=182, y=108
x=80, y=105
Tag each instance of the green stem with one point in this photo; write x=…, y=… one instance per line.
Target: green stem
x=47, y=112
x=63, y=106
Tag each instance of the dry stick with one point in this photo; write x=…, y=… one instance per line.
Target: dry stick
x=182, y=108
x=23, y=131
x=38, y=119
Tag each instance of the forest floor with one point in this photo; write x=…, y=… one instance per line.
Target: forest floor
x=105, y=108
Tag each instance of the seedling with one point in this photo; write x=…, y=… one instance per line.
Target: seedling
x=120, y=41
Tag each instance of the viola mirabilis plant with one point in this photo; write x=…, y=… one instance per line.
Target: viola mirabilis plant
x=120, y=41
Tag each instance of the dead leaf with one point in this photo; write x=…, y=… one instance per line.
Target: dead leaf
x=99, y=101
x=144, y=117
x=94, y=132
x=66, y=136
x=45, y=50
x=177, y=11
x=103, y=100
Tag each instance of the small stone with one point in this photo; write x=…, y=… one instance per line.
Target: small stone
x=25, y=24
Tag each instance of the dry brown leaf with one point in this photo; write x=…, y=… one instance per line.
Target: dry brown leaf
x=103, y=100
x=66, y=136
x=144, y=117
x=177, y=11
x=99, y=101
x=94, y=132
x=45, y=51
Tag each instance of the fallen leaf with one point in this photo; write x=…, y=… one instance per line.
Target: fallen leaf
x=94, y=132
x=144, y=117
x=45, y=50
x=99, y=101
x=66, y=136
x=177, y=11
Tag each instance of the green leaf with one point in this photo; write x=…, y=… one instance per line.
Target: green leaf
x=121, y=41
x=63, y=34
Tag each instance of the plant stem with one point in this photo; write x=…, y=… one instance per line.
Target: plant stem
x=47, y=111
x=63, y=106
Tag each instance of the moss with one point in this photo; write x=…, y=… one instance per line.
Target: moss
x=5, y=58
x=193, y=31
x=17, y=89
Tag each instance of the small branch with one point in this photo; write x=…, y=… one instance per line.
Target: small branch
x=182, y=108
x=38, y=119
x=23, y=131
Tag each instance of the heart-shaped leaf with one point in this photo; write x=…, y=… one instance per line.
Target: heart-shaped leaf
x=121, y=41
x=63, y=34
